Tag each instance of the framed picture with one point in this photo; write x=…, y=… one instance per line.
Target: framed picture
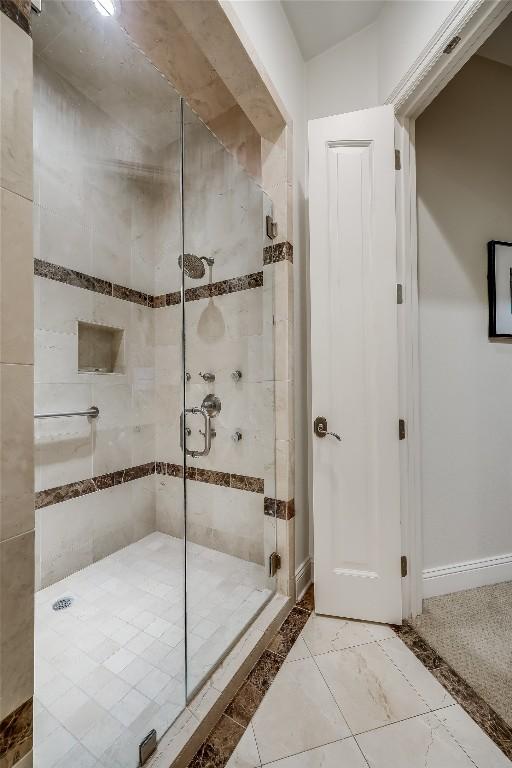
x=499, y=281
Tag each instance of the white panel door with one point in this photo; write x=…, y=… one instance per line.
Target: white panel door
x=356, y=481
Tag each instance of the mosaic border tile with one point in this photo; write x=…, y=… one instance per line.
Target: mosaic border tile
x=99, y=483
x=476, y=707
x=278, y=252
x=226, y=479
x=18, y=12
x=283, y=510
x=90, y=283
x=49, y=496
x=220, y=744
x=16, y=734
x=233, y=285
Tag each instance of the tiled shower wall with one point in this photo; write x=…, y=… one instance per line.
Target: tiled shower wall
x=16, y=382
x=97, y=190
x=107, y=222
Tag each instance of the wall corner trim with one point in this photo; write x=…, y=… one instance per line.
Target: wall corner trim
x=303, y=577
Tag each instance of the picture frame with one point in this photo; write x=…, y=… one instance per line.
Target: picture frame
x=499, y=283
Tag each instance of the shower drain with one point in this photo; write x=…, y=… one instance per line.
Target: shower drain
x=61, y=603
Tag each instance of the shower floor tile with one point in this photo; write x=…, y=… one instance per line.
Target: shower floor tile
x=111, y=666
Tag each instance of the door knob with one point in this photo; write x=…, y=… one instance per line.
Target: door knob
x=320, y=428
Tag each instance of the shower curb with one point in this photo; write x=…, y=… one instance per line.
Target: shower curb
x=191, y=729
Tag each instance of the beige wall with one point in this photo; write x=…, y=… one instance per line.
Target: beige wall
x=464, y=164
x=16, y=383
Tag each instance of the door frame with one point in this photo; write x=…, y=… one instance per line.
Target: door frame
x=473, y=21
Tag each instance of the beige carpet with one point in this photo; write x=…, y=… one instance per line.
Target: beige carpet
x=472, y=631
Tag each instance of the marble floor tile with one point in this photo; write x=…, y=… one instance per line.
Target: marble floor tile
x=429, y=689
x=340, y=754
x=368, y=687
x=298, y=713
x=420, y=742
x=246, y=752
x=299, y=651
x=53, y=748
x=324, y=633
x=77, y=757
x=476, y=743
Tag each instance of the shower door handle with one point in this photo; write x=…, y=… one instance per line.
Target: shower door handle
x=207, y=432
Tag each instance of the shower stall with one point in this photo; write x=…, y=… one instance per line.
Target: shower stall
x=154, y=395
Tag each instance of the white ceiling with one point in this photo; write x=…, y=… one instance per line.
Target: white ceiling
x=499, y=45
x=320, y=24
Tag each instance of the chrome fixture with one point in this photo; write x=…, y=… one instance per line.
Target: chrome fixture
x=236, y=375
x=236, y=436
x=62, y=603
x=210, y=407
x=207, y=433
x=213, y=432
x=93, y=412
x=147, y=747
x=320, y=428
x=270, y=227
x=193, y=265
x=187, y=376
x=208, y=377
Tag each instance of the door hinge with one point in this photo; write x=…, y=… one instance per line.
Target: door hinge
x=271, y=227
x=401, y=429
x=403, y=566
x=274, y=564
x=398, y=160
x=399, y=293
x=452, y=44
x=147, y=747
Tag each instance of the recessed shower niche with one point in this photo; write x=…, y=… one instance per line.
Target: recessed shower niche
x=100, y=348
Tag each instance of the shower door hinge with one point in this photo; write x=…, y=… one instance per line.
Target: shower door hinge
x=452, y=44
x=271, y=227
x=401, y=429
x=403, y=566
x=274, y=564
x=398, y=160
x=399, y=293
x=147, y=747
x=36, y=6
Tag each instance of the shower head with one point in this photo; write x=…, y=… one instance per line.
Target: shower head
x=193, y=265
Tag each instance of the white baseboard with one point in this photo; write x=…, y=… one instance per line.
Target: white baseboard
x=303, y=577
x=475, y=573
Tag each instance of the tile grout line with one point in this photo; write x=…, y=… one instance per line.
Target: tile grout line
x=330, y=691
x=310, y=749
x=425, y=702
x=448, y=730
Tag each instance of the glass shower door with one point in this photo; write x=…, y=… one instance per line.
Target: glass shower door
x=229, y=428
x=110, y=554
